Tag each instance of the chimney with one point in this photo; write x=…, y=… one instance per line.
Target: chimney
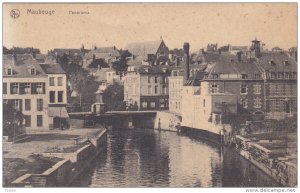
x=256, y=48
x=186, y=50
x=239, y=56
x=14, y=58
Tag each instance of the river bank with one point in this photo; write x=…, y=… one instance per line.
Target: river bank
x=51, y=159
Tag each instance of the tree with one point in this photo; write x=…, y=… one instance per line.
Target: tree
x=98, y=63
x=113, y=97
x=19, y=50
x=120, y=66
x=12, y=120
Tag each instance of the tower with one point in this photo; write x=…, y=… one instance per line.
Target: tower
x=256, y=48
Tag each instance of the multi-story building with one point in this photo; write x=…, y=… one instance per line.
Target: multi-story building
x=147, y=87
x=256, y=83
x=280, y=84
x=175, y=90
x=57, y=95
x=26, y=88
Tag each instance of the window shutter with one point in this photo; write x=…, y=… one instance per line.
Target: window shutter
x=11, y=88
x=44, y=88
x=33, y=88
x=22, y=88
x=20, y=105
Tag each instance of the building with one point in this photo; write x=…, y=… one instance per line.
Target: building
x=279, y=71
x=107, y=54
x=175, y=90
x=26, y=88
x=152, y=52
x=147, y=87
x=57, y=95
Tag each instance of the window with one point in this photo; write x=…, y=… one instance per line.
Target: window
x=272, y=63
x=39, y=120
x=244, y=102
x=152, y=104
x=39, y=104
x=60, y=96
x=27, y=88
x=39, y=88
x=164, y=89
x=257, y=76
x=32, y=71
x=9, y=71
x=215, y=76
x=257, y=102
x=27, y=120
x=149, y=89
x=51, y=81
x=203, y=102
x=294, y=75
x=287, y=75
x=273, y=75
x=179, y=105
x=280, y=75
x=4, y=88
x=16, y=104
x=214, y=88
x=27, y=104
x=149, y=79
x=244, y=76
x=156, y=89
x=15, y=88
x=156, y=79
x=286, y=63
x=257, y=89
x=60, y=81
x=244, y=89
x=52, y=96
x=144, y=104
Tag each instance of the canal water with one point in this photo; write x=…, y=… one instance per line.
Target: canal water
x=150, y=158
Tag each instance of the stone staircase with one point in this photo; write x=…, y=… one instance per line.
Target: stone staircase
x=38, y=180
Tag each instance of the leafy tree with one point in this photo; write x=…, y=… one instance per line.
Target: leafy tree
x=113, y=97
x=19, y=50
x=120, y=66
x=12, y=120
x=98, y=62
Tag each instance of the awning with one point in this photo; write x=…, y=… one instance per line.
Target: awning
x=58, y=112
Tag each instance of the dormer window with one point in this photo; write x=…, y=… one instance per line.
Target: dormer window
x=286, y=63
x=272, y=63
x=9, y=71
x=32, y=71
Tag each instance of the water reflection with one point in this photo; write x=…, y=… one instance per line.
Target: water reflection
x=148, y=158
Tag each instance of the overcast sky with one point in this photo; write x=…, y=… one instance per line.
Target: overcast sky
x=275, y=24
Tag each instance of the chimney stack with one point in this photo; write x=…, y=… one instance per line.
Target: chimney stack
x=186, y=50
x=239, y=55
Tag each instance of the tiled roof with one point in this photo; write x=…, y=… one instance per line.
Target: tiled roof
x=20, y=64
x=103, y=50
x=229, y=64
x=52, y=69
x=143, y=48
x=275, y=61
x=62, y=51
x=146, y=69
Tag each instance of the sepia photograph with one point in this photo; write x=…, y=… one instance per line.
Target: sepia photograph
x=150, y=95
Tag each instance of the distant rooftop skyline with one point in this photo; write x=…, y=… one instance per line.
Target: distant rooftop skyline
x=275, y=24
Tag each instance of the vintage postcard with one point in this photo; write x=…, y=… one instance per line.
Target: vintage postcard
x=175, y=95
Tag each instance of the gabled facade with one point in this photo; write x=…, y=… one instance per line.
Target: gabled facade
x=26, y=88
x=154, y=52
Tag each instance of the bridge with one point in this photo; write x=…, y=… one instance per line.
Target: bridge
x=122, y=119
